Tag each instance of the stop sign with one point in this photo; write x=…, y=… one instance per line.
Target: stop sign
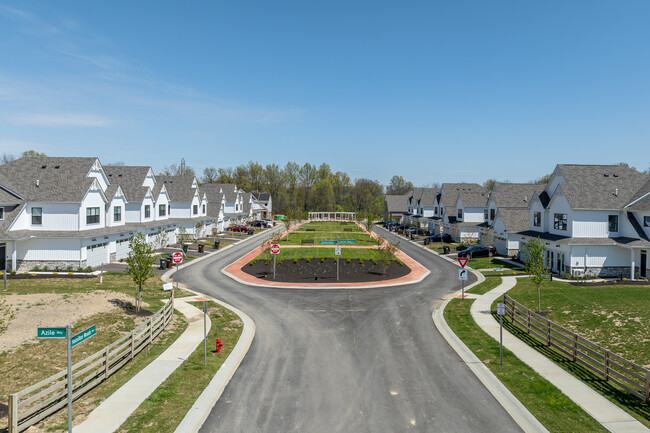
x=177, y=258
x=275, y=249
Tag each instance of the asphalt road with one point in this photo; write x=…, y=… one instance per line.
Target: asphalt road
x=363, y=360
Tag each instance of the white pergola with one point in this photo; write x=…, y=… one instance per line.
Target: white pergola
x=334, y=216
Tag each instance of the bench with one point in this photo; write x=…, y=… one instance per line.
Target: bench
x=347, y=230
x=307, y=242
x=310, y=230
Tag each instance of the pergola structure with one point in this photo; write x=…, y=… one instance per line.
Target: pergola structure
x=344, y=216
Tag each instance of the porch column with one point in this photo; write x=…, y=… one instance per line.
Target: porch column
x=632, y=258
x=13, y=255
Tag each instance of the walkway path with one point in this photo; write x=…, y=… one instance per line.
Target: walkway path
x=110, y=414
x=602, y=410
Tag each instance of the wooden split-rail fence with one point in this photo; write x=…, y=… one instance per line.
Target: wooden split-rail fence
x=34, y=403
x=629, y=376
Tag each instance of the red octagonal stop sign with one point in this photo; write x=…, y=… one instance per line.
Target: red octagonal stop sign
x=275, y=249
x=177, y=257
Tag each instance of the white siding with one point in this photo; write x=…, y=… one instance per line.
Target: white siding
x=473, y=215
x=181, y=210
x=94, y=198
x=536, y=206
x=560, y=205
x=599, y=256
x=48, y=249
x=149, y=180
x=133, y=212
x=553, y=183
x=148, y=201
x=55, y=217
x=594, y=224
x=163, y=199
x=116, y=202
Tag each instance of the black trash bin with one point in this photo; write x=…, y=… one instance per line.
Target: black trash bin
x=445, y=249
x=216, y=244
x=201, y=248
x=163, y=263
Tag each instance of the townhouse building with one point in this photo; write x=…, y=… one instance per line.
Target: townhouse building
x=594, y=220
x=460, y=209
x=396, y=206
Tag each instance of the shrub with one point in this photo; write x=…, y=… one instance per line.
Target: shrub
x=36, y=268
x=307, y=260
x=322, y=259
x=374, y=262
x=12, y=273
x=267, y=262
x=347, y=260
x=45, y=269
x=361, y=261
x=399, y=263
x=79, y=269
x=89, y=268
x=280, y=261
x=295, y=259
x=57, y=268
x=68, y=268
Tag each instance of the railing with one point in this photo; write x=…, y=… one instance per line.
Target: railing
x=631, y=377
x=33, y=404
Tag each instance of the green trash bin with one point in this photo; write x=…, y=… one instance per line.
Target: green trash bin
x=163, y=263
x=216, y=244
x=445, y=249
x=185, y=248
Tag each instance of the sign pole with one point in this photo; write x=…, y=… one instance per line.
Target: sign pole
x=69, y=340
x=500, y=340
x=337, y=260
x=4, y=277
x=462, y=289
x=205, y=334
x=274, y=255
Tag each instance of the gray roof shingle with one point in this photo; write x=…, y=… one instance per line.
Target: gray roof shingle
x=129, y=178
x=179, y=188
x=396, y=203
x=515, y=194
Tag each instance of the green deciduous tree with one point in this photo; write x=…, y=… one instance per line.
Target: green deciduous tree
x=33, y=153
x=534, y=255
x=398, y=186
x=140, y=261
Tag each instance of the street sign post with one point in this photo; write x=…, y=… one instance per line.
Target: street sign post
x=501, y=311
x=205, y=333
x=177, y=258
x=462, y=276
x=51, y=332
x=463, y=261
x=83, y=336
x=337, y=253
x=275, y=250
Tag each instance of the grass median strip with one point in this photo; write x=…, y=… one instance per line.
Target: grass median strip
x=547, y=403
x=163, y=410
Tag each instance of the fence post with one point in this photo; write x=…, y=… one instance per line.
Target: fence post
x=528, y=323
x=107, y=363
x=606, y=364
x=575, y=347
x=548, y=332
x=647, y=387
x=13, y=413
x=150, y=331
x=132, y=344
x=512, y=312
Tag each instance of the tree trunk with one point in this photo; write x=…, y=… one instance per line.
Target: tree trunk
x=139, y=298
x=539, y=299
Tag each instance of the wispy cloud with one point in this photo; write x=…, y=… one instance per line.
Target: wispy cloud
x=61, y=120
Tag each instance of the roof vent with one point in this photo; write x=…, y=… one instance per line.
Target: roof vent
x=525, y=198
x=38, y=182
x=57, y=166
x=616, y=192
x=43, y=166
x=606, y=175
x=615, y=175
x=119, y=175
x=110, y=175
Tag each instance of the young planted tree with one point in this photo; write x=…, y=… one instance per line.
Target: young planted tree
x=534, y=252
x=487, y=239
x=288, y=221
x=140, y=261
x=182, y=237
x=160, y=239
x=386, y=252
x=369, y=220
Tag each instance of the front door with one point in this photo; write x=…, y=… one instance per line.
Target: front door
x=644, y=263
x=3, y=257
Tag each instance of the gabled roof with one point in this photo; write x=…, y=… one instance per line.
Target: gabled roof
x=396, y=203
x=428, y=197
x=10, y=216
x=179, y=188
x=130, y=178
x=640, y=202
x=474, y=198
x=48, y=179
x=229, y=190
x=515, y=219
x=600, y=186
x=516, y=195
x=261, y=196
x=451, y=191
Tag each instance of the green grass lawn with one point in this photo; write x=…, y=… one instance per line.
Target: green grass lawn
x=330, y=226
x=163, y=410
x=297, y=237
x=485, y=286
x=613, y=316
x=483, y=263
x=552, y=408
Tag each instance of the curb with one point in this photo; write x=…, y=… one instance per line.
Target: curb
x=201, y=408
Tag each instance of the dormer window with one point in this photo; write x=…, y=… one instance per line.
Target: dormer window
x=2, y=213
x=37, y=216
x=203, y=209
x=613, y=223
x=92, y=215
x=646, y=221
x=459, y=214
x=195, y=209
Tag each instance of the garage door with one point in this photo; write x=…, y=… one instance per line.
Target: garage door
x=96, y=254
x=121, y=249
x=501, y=244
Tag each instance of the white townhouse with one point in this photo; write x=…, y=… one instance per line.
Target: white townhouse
x=217, y=207
x=507, y=214
x=234, y=207
x=186, y=201
x=420, y=206
x=467, y=195
x=395, y=207
x=73, y=212
x=263, y=204
x=591, y=218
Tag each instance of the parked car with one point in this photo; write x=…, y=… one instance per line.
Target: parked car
x=258, y=223
x=242, y=229
x=436, y=238
x=269, y=223
x=477, y=251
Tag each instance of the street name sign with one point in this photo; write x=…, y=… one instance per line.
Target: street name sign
x=275, y=249
x=347, y=241
x=177, y=258
x=51, y=332
x=328, y=242
x=462, y=274
x=462, y=261
x=83, y=336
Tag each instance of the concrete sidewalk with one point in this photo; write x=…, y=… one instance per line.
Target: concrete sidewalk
x=602, y=410
x=111, y=413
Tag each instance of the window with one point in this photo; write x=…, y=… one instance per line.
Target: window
x=117, y=213
x=169, y=209
x=537, y=219
x=460, y=214
x=485, y=214
x=92, y=215
x=646, y=221
x=195, y=209
x=162, y=209
x=492, y=214
x=436, y=210
x=559, y=221
x=613, y=223
x=147, y=211
x=203, y=209
x=2, y=213
x=37, y=215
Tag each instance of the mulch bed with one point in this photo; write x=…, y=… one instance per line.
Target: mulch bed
x=21, y=276
x=317, y=272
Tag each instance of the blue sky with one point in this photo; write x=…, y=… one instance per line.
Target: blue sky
x=433, y=91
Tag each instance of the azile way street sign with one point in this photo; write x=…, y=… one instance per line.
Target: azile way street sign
x=51, y=332
x=83, y=336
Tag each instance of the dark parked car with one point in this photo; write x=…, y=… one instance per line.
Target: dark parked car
x=414, y=231
x=477, y=251
x=436, y=238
